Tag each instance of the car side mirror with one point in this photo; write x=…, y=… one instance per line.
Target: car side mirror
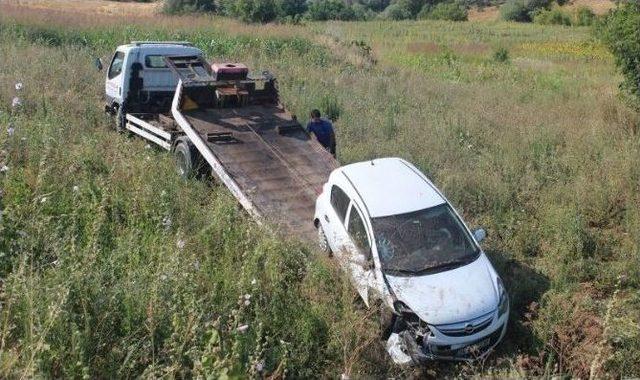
x=479, y=234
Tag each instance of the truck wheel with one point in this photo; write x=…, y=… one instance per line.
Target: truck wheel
x=184, y=160
x=323, y=243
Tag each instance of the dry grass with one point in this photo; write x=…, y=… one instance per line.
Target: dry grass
x=103, y=7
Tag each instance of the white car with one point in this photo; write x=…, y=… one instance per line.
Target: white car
x=403, y=244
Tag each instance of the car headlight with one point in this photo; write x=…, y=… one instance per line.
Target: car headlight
x=411, y=319
x=503, y=306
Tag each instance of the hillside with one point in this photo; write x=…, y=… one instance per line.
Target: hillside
x=112, y=266
x=492, y=13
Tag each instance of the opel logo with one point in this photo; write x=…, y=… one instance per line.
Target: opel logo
x=468, y=328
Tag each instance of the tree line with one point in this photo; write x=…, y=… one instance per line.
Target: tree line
x=321, y=10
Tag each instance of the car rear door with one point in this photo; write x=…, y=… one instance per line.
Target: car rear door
x=358, y=254
x=333, y=220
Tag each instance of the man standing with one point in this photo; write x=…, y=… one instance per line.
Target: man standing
x=323, y=130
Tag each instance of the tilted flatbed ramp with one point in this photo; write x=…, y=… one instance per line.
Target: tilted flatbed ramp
x=257, y=149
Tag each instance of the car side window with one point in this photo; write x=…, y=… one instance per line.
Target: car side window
x=340, y=202
x=358, y=232
x=116, y=65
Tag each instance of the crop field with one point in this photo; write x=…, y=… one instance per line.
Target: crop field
x=111, y=266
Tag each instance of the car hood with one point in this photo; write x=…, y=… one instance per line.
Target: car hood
x=451, y=296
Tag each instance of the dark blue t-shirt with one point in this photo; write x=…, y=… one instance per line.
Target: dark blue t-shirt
x=322, y=129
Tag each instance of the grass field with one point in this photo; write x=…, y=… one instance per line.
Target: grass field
x=112, y=267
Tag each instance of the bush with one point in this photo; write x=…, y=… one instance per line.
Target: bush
x=584, y=16
x=514, y=10
x=501, y=55
x=321, y=10
x=290, y=8
x=255, y=10
x=396, y=11
x=522, y=10
x=184, y=6
x=444, y=11
x=552, y=17
x=620, y=31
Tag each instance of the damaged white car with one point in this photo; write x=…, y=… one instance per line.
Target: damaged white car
x=404, y=245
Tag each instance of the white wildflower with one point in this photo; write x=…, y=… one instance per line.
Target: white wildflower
x=259, y=366
x=76, y=188
x=344, y=376
x=148, y=158
x=247, y=303
x=4, y=168
x=147, y=146
x=243, y=328
x=11, y=130
x=16, y=102
x=19, y=86
x=167, y=222
x=253, y=282
x=163, y=277
x=180, y=244
x=23, y=139
x=43, y=199
x=247, y=296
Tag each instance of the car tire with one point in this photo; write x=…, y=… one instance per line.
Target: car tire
x=184, y=160
x=323, y=242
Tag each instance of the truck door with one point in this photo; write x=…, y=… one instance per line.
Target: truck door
x=115, y=82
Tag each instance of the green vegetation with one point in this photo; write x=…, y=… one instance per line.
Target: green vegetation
x=451, y=11
x=620, y=31
x=322, y=10
x=113, y=267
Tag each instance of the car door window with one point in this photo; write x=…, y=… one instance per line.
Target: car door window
x=340, y=202
x=358, y=232
x=116, y=65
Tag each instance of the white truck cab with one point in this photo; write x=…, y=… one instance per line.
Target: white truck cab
x=405, y=246
x=139, y=80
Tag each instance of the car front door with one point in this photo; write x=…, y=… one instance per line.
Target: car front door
x=358, y=252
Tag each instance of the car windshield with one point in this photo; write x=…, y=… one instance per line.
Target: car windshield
x=424, y=241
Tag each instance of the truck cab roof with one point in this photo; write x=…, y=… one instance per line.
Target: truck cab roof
x=159, y=47
x=391, y=186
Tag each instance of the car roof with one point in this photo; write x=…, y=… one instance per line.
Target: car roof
x=391, y=186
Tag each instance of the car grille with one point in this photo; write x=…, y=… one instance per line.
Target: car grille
x=466, y=328
x=468, y=351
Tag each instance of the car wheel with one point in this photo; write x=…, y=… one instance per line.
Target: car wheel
x=323, y=243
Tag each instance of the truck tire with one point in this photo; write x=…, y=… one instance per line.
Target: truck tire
x=119, y=119
x=185, y=162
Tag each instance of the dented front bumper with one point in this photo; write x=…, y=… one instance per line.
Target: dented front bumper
x=406, y=349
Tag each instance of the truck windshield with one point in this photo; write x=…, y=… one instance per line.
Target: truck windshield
x=421, y=242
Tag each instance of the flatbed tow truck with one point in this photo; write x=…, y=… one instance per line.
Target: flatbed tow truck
x=219, y=120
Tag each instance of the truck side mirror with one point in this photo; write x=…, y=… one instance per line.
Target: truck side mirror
x=479, y=234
